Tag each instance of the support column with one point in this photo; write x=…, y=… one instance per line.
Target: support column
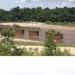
x=42, y=35
x=26, y=34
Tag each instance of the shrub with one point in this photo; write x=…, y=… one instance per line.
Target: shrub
x=50, y=45
x=48, y=22
x=66, y=52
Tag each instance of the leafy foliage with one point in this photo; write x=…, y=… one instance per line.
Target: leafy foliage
x=8, y=33
x=42, y=15
x=50, y=45
x=66, y=52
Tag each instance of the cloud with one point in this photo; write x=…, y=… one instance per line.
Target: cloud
x=34, y=0
x=20, y=1
x=8, y=4
x=58, y=4
x=71, y=0
x=64, y=3
x=36, y=3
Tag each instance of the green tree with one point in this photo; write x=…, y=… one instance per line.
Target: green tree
x=50, y=45
x=8, y=33
x=7, y=46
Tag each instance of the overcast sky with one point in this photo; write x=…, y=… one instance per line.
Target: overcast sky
x=8, y=4
x=37, y=66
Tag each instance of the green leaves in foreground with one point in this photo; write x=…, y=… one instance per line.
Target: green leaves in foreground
x=50, y=45
x=7, y=48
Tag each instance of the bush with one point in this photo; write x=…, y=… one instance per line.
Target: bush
x=64, y=53
x=50, y=45
x=48, y=22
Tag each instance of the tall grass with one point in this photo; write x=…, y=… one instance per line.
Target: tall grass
x=61, y=23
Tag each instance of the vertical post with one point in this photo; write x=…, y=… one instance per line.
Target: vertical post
x=26, y=34
x=41, y=35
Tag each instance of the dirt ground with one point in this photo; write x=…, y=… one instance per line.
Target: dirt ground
x=40, y=48
x=71, y=49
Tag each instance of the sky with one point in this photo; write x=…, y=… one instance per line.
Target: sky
x=8, y=4
x=37, y=66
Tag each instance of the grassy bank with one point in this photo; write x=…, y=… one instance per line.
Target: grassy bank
x=61, y=23
x=28, y=43
x=39, y=44
x=64, y=45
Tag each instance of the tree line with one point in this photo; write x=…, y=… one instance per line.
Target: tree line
x=38, y=14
